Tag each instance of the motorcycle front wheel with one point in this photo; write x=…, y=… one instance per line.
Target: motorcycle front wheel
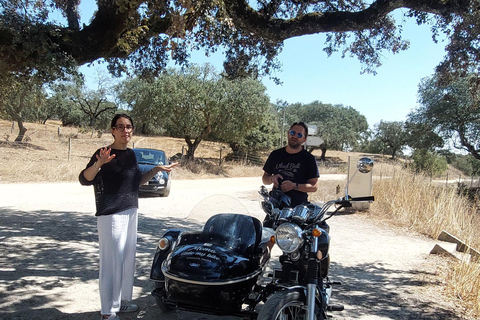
x=285, y=305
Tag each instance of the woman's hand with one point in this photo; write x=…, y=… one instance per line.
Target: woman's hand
x=167, y=168
x=104, y=157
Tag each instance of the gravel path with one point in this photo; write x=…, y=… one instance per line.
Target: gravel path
x=48, y=265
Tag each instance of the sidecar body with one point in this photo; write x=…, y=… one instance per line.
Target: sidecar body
x=214, y=270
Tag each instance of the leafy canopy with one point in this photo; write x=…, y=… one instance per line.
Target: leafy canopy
x=144, y=34
x=196, y=104
x=451, y=110
x=340, y=127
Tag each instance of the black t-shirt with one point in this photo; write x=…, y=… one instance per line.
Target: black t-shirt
x=297, y=167
x=116, y=184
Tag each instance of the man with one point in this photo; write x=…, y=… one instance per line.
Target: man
x=292, y=169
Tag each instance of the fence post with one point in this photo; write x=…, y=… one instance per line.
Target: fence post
x=446, y=181
x=69, y=148
x=13, y=127
x=220, y=160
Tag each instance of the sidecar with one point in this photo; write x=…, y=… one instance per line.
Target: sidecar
x=213, y=270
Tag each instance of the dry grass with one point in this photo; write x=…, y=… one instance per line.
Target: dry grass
x=48, y=156
x=408, y=201
x=427, y=207
x=52, y=154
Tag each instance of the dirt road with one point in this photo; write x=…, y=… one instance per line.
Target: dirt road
x=48, y=261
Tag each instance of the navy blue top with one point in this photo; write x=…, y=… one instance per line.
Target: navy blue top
x=116, y=184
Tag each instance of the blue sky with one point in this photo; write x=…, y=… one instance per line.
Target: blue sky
x=308, y=75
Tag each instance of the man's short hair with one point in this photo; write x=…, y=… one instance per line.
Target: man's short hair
x=301, y=123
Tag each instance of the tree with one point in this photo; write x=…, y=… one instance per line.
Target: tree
x=463, y=162
x=452, y=110
x=23, y=98
x=340, y=127
x=93, y=104
x=196, y=104
x=428, y=162
x=245, y=124
x=144, y=33
x=422, y=136
x=392, y=135
x=144, y=99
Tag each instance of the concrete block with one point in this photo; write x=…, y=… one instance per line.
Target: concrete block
x=461, y=246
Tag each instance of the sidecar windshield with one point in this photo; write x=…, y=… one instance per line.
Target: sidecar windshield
x=234, y=231
x=227, y=222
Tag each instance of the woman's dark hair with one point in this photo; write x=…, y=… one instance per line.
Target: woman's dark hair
x=118, y=116
x=300, y=123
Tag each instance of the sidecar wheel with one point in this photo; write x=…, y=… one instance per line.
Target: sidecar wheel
x=284, y=305
x=164, y=307
x=159, y=295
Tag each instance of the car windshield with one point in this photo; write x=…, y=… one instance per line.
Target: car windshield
x=155, y=157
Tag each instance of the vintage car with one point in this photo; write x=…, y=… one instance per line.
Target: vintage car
x=161, y=182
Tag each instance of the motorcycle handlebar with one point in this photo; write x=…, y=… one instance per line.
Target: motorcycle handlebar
x=367, y=198
x=347, y=201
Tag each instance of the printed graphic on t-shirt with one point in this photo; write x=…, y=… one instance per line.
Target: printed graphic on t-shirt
x=288, y=170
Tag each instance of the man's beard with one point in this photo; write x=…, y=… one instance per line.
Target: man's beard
x=294, y=145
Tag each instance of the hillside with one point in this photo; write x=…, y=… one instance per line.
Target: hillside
x=53, y=153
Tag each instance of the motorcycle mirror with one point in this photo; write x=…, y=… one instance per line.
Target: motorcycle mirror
x=365, y=165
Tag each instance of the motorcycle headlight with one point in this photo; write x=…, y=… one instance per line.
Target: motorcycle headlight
x=288, y=237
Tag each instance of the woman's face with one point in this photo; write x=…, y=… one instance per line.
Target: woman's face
x=123, y=130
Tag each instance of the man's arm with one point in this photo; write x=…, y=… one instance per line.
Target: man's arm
x=310, y=186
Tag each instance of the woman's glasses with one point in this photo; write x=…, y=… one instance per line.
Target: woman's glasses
x=121, y=127
x=293, y=133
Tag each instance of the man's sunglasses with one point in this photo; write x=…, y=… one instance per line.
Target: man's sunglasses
x=298, y=134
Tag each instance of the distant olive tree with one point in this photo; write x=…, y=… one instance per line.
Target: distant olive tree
x=23, y=98
x=428, y=162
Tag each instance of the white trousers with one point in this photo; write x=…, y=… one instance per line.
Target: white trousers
x=117, y=237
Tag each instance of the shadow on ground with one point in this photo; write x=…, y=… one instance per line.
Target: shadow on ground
x=48, y=250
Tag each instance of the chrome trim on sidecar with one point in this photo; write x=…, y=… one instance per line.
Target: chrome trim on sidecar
x=216, y=283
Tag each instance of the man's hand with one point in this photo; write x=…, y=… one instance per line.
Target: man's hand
x=288, y=185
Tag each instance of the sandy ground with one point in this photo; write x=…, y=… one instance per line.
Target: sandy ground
x=48, y=261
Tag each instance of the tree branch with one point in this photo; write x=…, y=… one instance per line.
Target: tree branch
x=265, y=26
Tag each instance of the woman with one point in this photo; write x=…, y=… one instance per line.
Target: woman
x=114, y=173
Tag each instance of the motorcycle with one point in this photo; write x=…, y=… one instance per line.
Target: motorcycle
x=220, y=269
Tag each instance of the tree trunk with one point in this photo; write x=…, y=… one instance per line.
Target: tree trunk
x=21, y=131
x=192, y=147
x=324, y=152
x=236, y=149
x=394, y=152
